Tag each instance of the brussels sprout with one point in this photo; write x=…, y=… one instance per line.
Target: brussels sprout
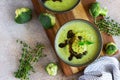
x=47, y=20
x=111, y=48
x=52, y=69
x=23, y=15
x=96, y=10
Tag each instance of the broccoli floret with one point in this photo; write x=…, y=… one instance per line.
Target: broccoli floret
x=47, y=20
x=111, y=48
x=52, y=69
x=96, y=10
x=23, y=15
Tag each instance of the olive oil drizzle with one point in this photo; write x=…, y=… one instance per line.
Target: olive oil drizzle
x=61, y=45
x=69, y=41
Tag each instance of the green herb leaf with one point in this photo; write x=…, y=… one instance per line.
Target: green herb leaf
x=88, y=42
x=81, y=43
x=85, y=42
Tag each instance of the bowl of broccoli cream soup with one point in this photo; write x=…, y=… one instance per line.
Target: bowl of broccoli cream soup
x=59, y=5
x=78, y=42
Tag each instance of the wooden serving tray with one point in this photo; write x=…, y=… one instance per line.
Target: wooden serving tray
x=80, y=12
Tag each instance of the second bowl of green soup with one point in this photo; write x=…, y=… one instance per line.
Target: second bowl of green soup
x=78, y=42
x=59, y=5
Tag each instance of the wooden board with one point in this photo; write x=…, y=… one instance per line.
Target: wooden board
x=80, y=12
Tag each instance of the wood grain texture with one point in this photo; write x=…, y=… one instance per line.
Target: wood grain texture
x=79, y=12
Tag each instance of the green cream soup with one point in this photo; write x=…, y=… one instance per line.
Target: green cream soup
x=77, y=42
x=60, y=5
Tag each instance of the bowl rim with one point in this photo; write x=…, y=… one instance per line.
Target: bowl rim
x=60, y=11
x=99, y=38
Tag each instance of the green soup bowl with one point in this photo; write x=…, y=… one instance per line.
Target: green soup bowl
x=78, y=42
x=59, y=6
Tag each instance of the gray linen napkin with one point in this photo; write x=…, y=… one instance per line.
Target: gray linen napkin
x=105, y=68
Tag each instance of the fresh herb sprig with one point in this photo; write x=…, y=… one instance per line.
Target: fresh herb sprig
x=108, y=26
x=28, y=58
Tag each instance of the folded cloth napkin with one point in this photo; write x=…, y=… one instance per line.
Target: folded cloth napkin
x=104, y=68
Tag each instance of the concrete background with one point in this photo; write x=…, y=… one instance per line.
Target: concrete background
x=32, y=32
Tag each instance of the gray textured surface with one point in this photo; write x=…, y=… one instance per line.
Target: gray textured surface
x=31, y=32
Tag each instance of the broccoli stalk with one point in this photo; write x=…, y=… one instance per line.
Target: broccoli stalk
x=96, y=10
x=52, y=69
x=111, y=48
x=23, y=15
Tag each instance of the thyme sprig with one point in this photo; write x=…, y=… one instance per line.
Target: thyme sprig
x=108, y=26
x=28, y=58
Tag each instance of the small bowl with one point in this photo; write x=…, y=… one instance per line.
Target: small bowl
x=59, y=11
x=93, y=50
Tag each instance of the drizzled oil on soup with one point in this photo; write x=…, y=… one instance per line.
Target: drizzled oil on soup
x=78, y=42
